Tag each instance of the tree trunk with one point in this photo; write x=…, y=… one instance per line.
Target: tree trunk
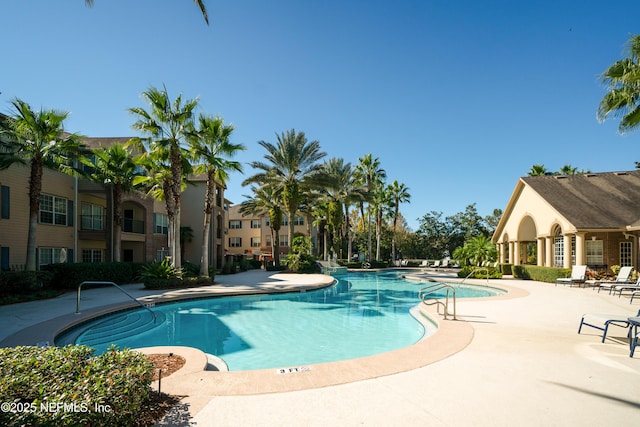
x=35, y=188
x=117, y=220
x=208, y=209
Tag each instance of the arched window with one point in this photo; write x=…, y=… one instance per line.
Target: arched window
x=558, y=248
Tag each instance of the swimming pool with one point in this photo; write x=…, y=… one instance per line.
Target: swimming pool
x=363, y=314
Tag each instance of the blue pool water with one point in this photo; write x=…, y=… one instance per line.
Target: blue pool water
x=363, y=314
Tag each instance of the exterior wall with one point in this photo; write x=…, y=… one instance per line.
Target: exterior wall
x=193, y=216
x=14, y=231
x=531, y=219
x=264, y=233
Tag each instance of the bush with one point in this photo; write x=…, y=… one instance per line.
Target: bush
x=506, y=268
x=37, y=381
x=21, y=282
x=540, y=274
x=69, y=276
x=480, y=272
x=229, y=267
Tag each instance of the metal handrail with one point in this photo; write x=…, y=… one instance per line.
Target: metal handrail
x=98, y=282
x=428, y=290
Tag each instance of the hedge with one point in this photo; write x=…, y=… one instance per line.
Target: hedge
x=68, y=386
x=70, y=275
x=540, y=274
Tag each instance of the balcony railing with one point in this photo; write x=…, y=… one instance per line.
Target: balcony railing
x=133, y=226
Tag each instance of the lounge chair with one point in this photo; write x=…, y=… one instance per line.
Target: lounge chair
x=628, y=287
x=424, y=263
x=577, y=276
x=603, y=321
x=621, y=278
x=445, y=264
x=435, y=264
x=633, y=295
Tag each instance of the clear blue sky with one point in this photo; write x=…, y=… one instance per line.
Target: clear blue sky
x=458, y=99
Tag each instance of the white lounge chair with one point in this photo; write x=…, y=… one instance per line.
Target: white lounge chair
x=621, y=278
x=603, y=321
x=577, y=276
x=424, y=263
x=628, y=287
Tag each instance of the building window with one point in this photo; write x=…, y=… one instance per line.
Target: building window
x=235, y=224
x=92, y=255
x=284, y=240
x=299, y=220
x=268, y=242
x=626, y=255
x=255, y=242
x=255, y=223
x=92, y=217
x=285, y=220
x=51, y=256
x=160, y=224
x=162, y=254
x=594, y=251
x=235, y=242
x=558, y=249
x=4, y=258
x=5, y=199
x=53, y=210
x=267, y=221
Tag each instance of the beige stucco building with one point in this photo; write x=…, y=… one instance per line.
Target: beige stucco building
x=251, y=235
x=563, y=220
x=75, y=220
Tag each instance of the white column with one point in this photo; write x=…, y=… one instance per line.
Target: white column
x=549, y=252
x=580, y=253
x=567, y=250
x=540, y=250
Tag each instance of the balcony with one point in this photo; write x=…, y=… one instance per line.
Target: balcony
x=130, y=225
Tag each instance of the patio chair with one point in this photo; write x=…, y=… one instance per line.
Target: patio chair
x=603, y=321
x=577, y=276
x=424, y=263
x=621, y=278
x=628, y=287
x=435, y=264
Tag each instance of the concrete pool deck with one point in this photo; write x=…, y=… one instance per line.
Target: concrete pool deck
x=511, y=360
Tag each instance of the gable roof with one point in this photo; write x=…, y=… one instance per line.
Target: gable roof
x=592, y=200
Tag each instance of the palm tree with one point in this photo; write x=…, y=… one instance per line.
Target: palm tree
x=399, y=193
x=290, y=167
x=266, y=200
x=568, y=170
x=199, y=3
x=37, y=139
x=168, y=124
x=211, y=147
x=538, y=170
x=382, y=205
x=114, y=167
x=337, y=176
x=369, y=173
x=622, y=79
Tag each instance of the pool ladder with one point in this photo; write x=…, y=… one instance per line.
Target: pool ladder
x=93, y=282
x=450, y=295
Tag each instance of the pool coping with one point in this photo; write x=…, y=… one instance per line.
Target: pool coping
x=197, y=386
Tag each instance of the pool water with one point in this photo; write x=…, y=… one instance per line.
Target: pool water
x=362, y=315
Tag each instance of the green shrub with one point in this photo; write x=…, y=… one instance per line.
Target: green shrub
x=229, y=267
x=190, y=269
x=69, y=276
x=479, y=272
x=20, y=282
x=56, y=386
x=276, y=267
x=506, y=268
x=540, y=274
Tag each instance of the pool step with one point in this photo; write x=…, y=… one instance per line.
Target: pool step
x=122, y=327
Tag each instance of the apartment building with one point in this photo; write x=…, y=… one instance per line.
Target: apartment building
x=250, y=235
x=75, y=220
